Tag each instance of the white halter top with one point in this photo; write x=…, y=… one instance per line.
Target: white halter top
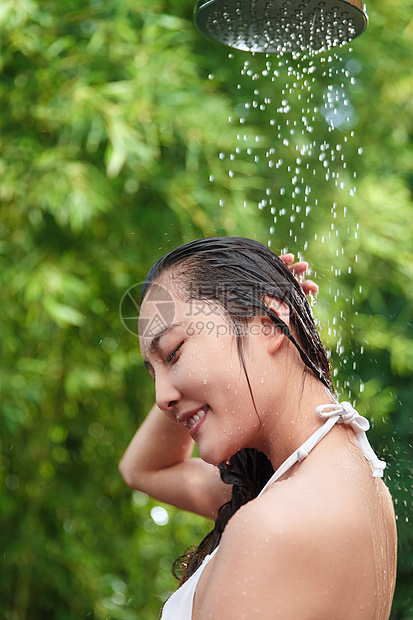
x=180, y=605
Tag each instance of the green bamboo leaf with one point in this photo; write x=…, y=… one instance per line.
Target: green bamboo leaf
x=62, y=313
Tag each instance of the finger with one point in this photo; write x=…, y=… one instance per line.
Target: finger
x=298, y=269
x=309, y=287
x=287, y=259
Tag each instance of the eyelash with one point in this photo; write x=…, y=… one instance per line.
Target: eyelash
x=172, y=355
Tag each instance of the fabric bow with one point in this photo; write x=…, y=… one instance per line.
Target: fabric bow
x=346, y=414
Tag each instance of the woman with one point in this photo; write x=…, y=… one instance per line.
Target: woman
x=228, y=337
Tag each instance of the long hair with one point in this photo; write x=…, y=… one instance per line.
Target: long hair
x=236, y=274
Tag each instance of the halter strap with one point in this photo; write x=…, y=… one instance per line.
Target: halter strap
x=346, y=414
x=341, y=413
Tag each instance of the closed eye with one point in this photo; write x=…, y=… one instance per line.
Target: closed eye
x=172, y=355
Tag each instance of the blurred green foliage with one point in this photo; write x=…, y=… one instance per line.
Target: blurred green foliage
x=109, y=133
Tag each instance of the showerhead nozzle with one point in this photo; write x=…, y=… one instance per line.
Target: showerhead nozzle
x=276, y=26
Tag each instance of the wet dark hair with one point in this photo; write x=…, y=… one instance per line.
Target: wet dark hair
x=235, y=274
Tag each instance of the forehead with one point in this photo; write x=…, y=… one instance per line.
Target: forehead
x=163, y=307
x=157, y=311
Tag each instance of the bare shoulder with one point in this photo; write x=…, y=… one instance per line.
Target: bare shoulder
x=303, y=508
x=291, y=553
x=297, y=525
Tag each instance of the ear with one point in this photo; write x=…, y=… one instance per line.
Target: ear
x=273, y=335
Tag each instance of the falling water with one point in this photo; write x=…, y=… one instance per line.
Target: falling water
x=299, y=163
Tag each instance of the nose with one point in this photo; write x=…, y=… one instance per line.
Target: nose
x=168, y=395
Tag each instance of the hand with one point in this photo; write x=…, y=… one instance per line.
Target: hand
x=298, y=270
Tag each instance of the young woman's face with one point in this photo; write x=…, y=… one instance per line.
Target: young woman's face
x=191, y=353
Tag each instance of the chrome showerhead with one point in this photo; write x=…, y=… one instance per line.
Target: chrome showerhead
x=275, y=26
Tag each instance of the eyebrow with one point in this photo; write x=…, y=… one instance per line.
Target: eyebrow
x=155, y=341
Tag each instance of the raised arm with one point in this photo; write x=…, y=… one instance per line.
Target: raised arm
x=158, y=462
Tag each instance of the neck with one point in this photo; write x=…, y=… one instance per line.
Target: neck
x=291, y=422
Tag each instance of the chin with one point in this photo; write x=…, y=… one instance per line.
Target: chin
x=216, y=456
x=210, y=458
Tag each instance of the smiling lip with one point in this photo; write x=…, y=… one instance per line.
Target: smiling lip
x=196, y=425
x=192, y=418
